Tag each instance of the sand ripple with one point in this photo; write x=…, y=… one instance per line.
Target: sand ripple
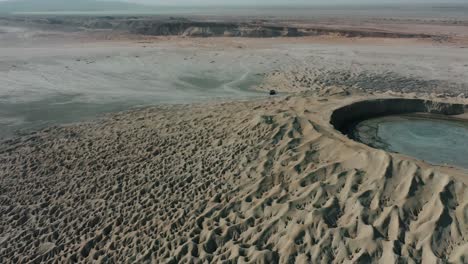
x=254, y=182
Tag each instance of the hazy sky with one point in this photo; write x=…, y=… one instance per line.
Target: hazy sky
x=18, y=6
x=289, y=2
x=275, y=2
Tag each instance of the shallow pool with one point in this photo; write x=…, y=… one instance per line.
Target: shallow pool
x=437, y=140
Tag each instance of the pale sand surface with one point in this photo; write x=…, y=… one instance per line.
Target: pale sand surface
x=268, y=180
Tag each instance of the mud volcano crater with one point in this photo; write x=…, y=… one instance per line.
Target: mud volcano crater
x=436, y=132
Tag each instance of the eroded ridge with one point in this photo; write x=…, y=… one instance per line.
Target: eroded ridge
x=264, y=182
x=205, y=28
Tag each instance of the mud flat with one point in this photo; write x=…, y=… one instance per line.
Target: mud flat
x=45, y=86
x=266, y=181
x=73, y=79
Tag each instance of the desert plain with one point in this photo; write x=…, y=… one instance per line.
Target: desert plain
x=139, y=140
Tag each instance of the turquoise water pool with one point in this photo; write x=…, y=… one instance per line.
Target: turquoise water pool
x=433, y=139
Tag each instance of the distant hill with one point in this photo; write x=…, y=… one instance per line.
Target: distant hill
x=14, y=6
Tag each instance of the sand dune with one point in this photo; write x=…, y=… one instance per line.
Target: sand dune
x=268, y=181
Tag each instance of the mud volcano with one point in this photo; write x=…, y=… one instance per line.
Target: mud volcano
x=432, y=131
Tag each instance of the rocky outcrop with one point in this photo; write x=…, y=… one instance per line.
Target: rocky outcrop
x=180, y=28
x=212, y=29
x=351, y=33
x=184, y=27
